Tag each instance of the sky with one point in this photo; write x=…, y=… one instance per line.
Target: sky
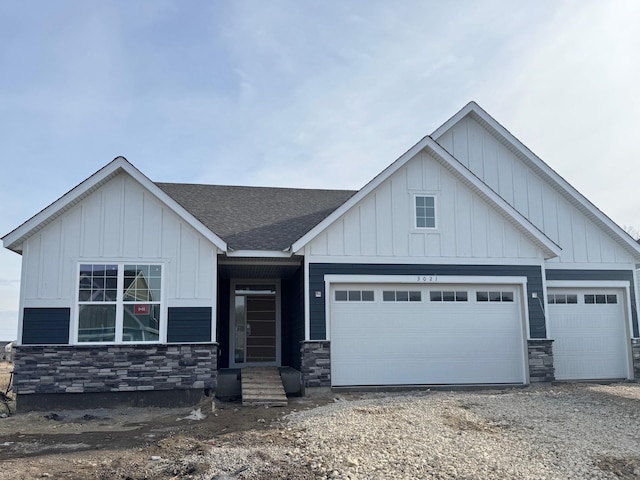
x=305, y=93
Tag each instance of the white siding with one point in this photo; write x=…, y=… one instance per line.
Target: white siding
x=382, y=224
x=121, y=221
x=581, y=240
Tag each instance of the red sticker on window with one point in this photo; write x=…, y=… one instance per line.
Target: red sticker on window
x=141, y=309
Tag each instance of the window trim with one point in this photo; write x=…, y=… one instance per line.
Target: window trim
x=414, y=214
x=119, y=303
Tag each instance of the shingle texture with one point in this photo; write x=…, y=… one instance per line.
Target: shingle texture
x=256, y=218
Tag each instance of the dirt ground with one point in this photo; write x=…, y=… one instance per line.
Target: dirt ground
x=137, y=443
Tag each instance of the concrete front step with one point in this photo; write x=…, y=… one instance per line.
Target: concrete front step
x=262, y=386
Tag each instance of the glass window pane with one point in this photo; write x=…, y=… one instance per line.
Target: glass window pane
x=429, y=201
x=421, y=222
x=494, y=296
x=507, y=296
x=612, y=299
x=551, y=299
x=572, y=298
x=420, y=201
x=482, y=296
x=84, y=295
x=354, y=295
x=402, y=296
x=435, y=296
x=448, y=296
x=561, y=299
x=589, y=299
x=367, y=295
x=97, y=323
x=461, y=296
x=240, y=336
x=388, y=296
x=430, y=222
x=415, y=296
x=141, y=323
x=341, y=295
x=601, y=299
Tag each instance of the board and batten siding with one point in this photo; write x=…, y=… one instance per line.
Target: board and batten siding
x=383, y=223
x=580, y=239
x=121, y=221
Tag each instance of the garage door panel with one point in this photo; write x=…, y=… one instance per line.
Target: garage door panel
x=426, y=342
x=590, y=340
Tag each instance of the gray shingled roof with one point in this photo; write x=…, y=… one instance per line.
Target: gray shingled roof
x=256, y=218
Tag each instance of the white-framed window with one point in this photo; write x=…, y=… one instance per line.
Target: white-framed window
x=448, y=296
x=354, y=296
x=494, y=297
x=119, y=303
x=401, y=296
x=562, y=299
x=600, y=298
x=425, y=211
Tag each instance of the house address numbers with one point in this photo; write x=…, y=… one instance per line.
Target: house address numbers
x=427, y=278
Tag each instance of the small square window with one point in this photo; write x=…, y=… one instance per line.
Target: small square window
x=572, y=299
x=402, y=296
x=389, y=296
x=435, y=296
x=494, y=296
x=482, y=296
x=341, y=295
x=612, y=299
x=601, y=299
x=461, y=296
x=367, y=295
x=589, y=299
x=448, y=296
x=355, y=295
x=415, y=296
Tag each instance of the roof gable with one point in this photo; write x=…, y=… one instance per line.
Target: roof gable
x=15, y=238
x=549, y=248
x=547, y=175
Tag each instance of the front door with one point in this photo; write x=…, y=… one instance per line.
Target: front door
x=255, y=325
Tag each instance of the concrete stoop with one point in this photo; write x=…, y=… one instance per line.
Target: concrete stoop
x=262, y=386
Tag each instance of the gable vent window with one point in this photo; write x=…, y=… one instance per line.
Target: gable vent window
x=354, y=296
x=448, y=296
x=425, y=211
x=401, y=296
x=600, y=298
x=494, y=296
x=561, y=299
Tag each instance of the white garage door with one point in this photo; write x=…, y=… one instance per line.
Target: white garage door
x=418, y=334
x=588, y=329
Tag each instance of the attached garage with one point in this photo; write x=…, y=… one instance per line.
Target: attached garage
x=426, y=334
x=589, y=329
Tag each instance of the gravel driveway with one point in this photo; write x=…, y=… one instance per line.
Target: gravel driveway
x=547, y=432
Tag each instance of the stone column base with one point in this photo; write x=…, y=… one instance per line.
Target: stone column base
x=541, y=361
x=315, y=363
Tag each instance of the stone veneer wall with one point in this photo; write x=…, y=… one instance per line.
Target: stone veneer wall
x=114, y=368
x=635, y=352
x=541, y=361
x=316, y=363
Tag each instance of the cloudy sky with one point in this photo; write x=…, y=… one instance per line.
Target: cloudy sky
x=305, y=93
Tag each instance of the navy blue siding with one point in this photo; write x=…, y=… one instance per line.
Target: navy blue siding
x=224, y=295
x=624, y=275
x=317, y=271
x=292, y=318
x=189, y=324
x=46, y=326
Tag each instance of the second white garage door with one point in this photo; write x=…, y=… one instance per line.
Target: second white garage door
x=589, y=333
x=435, y=334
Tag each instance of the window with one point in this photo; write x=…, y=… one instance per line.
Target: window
x=119, y=303
x=425, y=211
x=401, y=296
x=354, y=296
x=562, y=299
x=600, y=298
x=448, y=296
x=494, y=296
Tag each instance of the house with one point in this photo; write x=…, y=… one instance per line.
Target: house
x=467, y=261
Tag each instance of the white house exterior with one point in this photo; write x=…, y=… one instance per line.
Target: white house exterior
x=467, y=261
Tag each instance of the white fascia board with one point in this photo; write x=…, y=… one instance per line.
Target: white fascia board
x=424, y=260
x=359, y=195
x=259, y=253
x=550, y=175
x=91, y=184
x=423, y=279
x=589, y=266
x=548, y=246
x=587, y=284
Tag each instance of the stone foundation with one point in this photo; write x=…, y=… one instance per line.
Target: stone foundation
x=114, y=368
x=635, y=352
x=316, y=363
x=541, y=361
